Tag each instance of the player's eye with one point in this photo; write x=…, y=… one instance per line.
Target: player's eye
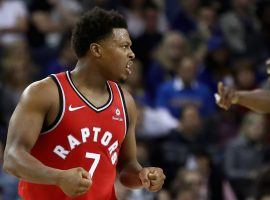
x=125, y=46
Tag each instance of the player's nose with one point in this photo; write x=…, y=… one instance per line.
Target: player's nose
x=131, y=55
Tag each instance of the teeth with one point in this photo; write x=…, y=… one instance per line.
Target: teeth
x=130, y=63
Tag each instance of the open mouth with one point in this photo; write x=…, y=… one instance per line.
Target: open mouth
x=128, y=67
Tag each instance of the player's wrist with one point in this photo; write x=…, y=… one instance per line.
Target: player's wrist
x=57, y=177
x=143, y=176
x=235, y=98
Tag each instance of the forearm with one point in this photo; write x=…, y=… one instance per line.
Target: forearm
x=256, y=100
x=129, y=175
x=24, y=166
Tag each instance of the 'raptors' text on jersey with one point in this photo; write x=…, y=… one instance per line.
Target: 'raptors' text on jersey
x=82, y=136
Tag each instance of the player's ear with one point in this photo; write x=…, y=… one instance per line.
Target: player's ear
x=95, y=50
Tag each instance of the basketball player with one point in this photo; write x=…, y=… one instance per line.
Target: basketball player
x=257, y=100
x=71, y=131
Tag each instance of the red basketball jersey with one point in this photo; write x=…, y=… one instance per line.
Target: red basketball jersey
x=82, y=136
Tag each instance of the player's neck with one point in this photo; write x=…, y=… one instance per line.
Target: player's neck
x=88, y=76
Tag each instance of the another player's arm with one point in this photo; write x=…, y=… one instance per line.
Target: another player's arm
x=132, y=174
x=24, y=129
x=257, y=100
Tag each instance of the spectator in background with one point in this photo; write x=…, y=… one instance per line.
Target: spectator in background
x=170, y=52
x=240, y=27
x=133, y=12
x=246, y=156
x=18, y=50
x=40, y=23
x=145, y=44
x=172, y=8
x=180, y=144
x=49, y=19
x=39, y=17
x=199, y=180
x=244, y=74
x=2, y=123
x=216, y=64
x=12, y=53
x=152, y=122
x=211, y=173
x=244, y=79
x=263, y=13
x=184, y=90
x=163, y=195
x=207, y=23
x=186, y=20
x=105, y=4
x=188, y=185
x=207, y=28
x=18, y=72
x=66, y=59
x=14, y=21
x=263, y=185
x=185, y=194
x=135, y=84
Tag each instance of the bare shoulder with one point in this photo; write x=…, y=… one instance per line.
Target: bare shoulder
x=40, y=93
x=41, y=87
x=34, y=105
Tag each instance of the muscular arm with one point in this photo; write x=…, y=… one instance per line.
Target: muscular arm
x=128, y=164
x=256, y=100
x=24, y=129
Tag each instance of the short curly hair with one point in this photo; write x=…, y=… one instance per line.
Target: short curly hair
x=95, y=25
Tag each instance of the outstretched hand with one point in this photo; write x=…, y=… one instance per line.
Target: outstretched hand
x=226, y=96
x=152, y=178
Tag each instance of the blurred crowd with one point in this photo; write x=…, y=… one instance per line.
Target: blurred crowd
x=183, y=48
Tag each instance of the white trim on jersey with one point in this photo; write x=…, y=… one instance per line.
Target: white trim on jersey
x=123, y=107
x=63, y=107
x=86, y=100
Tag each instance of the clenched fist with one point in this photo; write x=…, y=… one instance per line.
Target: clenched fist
x=74, y=182
x=152, y=178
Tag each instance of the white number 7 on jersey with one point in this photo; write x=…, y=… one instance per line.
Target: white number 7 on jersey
x=96, y=158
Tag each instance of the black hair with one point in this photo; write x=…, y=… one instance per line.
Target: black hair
x=95, y=25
